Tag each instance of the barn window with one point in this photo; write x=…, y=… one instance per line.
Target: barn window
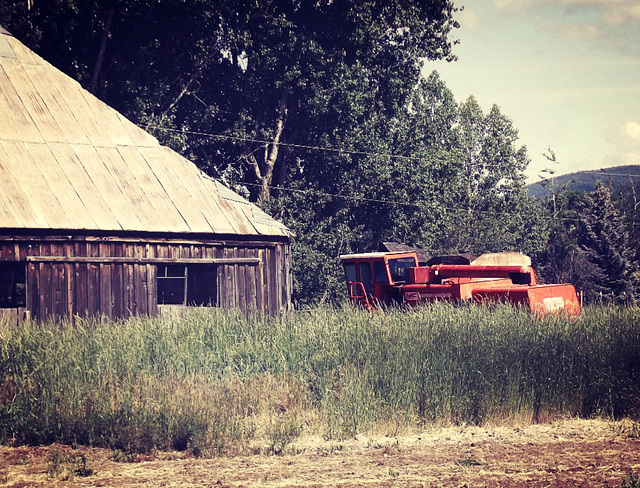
x=172, y=284
x=188, y=285
x=12, y=285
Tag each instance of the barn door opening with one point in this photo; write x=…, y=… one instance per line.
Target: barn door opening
x=202, y=285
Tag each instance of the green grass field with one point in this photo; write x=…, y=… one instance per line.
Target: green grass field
x=214, y=381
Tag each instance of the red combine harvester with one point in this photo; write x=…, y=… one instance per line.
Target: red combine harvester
x=384, y=278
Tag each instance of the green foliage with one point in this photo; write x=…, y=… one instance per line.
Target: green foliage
x=562, y=261
x=216, y=382
x=630, y=481
x=276, y=71
x=604, y=238
x=626, y=201
x=495, y=212
x=437, y=174
x=592, y=244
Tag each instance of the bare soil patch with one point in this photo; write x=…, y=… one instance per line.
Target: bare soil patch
x=570, y=453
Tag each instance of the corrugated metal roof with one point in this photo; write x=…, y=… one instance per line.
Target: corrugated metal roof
x=70, y=162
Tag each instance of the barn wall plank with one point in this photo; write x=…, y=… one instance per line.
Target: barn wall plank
x=93, y=281
x=152, y=282
x=117, y=283
x=45, y=298
x=70, y=281
x=33, y=289
x=129, y=294
x=58, y=283
x=241, y=281
x=250, y=283
x=105, y=270
x=140, y=287
x=260, y=288
x=81, y=283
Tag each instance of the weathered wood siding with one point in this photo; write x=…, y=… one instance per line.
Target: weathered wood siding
x=115, y=277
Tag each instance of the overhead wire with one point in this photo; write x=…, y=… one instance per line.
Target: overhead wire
x=401, y=204
x=287, y=144
x=264, y=143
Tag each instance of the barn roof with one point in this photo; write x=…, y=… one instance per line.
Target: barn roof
x=70, y=162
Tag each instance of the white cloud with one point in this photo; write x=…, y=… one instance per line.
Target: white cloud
x=614, y=24
x=580, y=32
x=621, y=14
x=516, y=6
x=468, y=19
x=612, y=12
x=631, y=133
x=626, y=141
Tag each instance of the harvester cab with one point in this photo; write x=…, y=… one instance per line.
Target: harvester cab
x=384, y=278
x=376, y=278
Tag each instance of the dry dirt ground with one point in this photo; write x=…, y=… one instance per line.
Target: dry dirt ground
x=585, y=453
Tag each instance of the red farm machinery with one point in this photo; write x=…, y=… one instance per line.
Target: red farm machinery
x=384, y=278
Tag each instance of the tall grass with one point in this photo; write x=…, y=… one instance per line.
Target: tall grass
x=217, y=381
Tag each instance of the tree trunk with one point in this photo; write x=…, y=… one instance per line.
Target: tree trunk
x=97, y=69
x=263, y=169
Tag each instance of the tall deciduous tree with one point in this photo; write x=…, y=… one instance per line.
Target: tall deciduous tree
x=406, y=182
x=262, y=73
x=492, y=209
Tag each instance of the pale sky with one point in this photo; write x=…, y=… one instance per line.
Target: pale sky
x=567, y=72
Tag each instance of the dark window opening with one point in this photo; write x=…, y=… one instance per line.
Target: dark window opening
x=520, y=278
x=399, y=268
x=365, y=277
x=171, y=284
x=350, y=272
x=202, y=287
x=380, y=271
x=195, y=285
x=13, y=285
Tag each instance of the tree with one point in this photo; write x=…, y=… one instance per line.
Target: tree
x=492, y=211
x=388, y=183
x=627, y=201
x=399, y=179
x=604, y=238
x=563, y=260
x=259, y=74
x=314, y=109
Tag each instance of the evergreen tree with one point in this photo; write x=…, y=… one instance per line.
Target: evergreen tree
x=604, y=238
x=627, y=200
x=562, y=259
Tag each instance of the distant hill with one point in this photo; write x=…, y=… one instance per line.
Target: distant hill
x=586, y=180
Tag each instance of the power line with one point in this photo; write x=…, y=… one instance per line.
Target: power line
x=401, y=204
x=603, y=172
x=347, y=151
x=359, y=153
x=287, y=144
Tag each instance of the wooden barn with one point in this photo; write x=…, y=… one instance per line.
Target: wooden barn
x=97, y=218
